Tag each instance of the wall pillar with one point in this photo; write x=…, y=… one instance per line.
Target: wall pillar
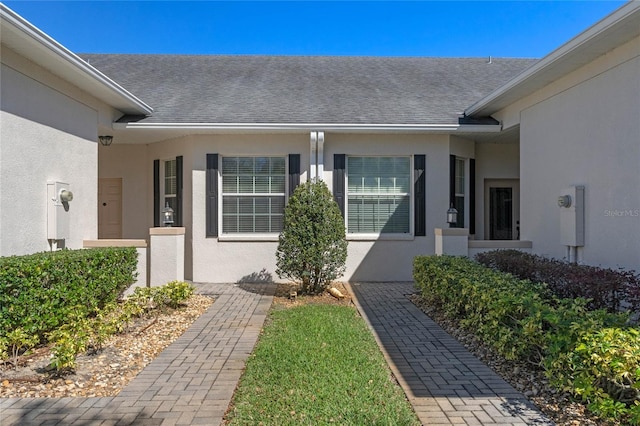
x=452, y=241
x=167, y=255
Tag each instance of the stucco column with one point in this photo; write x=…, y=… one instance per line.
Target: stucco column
x=452, y=241
x=167, y=255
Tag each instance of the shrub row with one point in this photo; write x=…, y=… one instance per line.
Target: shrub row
x=82, y=333
x=43, y=291
x=522, y=321
x=609, y=289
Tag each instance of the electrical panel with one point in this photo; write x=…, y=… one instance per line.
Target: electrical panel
x=58, y=197
x=571, y=204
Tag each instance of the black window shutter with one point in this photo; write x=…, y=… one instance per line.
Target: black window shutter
x=339, y=165
x=179, y=181
x=294, y=172
x=452, y=180
x=156, y=193
x=211, y=207
x=472, y=196
x=419, y=188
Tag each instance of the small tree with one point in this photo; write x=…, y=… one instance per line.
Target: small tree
x=312, y=247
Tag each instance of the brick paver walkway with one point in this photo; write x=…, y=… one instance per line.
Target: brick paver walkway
x=191, y=382
x=444, y=382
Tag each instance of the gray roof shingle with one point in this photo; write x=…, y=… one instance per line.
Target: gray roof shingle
x=306, y=89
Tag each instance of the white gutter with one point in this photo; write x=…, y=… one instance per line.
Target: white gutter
x=309, y=127
x=558, y=56
x=9, y=17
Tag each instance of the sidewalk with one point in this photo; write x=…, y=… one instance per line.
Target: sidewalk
x=444, y=382
x=191, y=382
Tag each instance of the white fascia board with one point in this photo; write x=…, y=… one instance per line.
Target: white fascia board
x=563, y=55
x=34, y=39
x=307, y=127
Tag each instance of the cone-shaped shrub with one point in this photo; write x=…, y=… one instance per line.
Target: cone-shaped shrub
x=312, y=248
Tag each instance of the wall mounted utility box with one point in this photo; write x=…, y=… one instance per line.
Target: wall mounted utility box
x=57, y=211
x=571, y=203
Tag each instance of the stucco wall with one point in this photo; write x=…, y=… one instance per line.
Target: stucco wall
x=45, y=135
x=223, y=260
x=130, y=163
x=493, y=161
x=587, y=135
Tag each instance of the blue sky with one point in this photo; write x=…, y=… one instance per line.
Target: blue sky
x=527, y=29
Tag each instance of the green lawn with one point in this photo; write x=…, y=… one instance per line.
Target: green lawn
x=318, y=364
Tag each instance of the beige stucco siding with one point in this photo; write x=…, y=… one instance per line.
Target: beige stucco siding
x=587, y=134
x=131, y=164
x=45, y=135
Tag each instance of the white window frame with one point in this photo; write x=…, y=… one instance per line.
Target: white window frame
x=379, y=235
x=248, y=236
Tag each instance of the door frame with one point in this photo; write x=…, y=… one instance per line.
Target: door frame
x=514, y=184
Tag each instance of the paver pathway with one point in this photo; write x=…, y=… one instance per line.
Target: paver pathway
x=444, y=382
x=191, y=382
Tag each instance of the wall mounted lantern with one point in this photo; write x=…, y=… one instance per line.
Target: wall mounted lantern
x=452, y=216
x=167, y=215
x=105, y=140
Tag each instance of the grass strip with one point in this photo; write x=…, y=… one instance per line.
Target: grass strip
x=318, y=364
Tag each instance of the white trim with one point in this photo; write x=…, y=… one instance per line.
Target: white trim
x=310, y=127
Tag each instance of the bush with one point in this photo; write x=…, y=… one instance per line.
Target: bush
x=604, y=370
x=312, y=247
x=41, y=292
x=605, y=288
x=588, y=353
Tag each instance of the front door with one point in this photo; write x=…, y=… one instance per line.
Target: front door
x=502, y=209
x=110, y=208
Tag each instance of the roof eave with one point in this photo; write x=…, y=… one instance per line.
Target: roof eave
x=619, y=27
x=307, y=127
x=20, y=35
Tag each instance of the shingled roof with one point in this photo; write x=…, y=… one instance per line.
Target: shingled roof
x=306, y=89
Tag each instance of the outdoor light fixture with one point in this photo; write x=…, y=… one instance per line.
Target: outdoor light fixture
x=105, y=140
x=167, y=215
x=452, y=215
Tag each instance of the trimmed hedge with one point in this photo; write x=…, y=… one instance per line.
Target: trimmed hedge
x=39, y=292
x=605, y=288
x=579, y=348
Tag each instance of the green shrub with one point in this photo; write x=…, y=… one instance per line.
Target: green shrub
x=80, y=333
x=605, y=288
x=603, y=368
x=18, y=340
x=587, y=352
x=39, y=292
x=312, y=247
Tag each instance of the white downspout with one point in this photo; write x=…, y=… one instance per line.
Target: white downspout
x=320, y=157
x=314, y=155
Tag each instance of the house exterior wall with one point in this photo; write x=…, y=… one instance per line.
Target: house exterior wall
x=586, y=134
x=130, y=163
x=493, y=161
x=48, y=132
x=232, y=259
x=229, y=259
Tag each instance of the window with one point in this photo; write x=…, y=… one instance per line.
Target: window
x=378, y=195
x=170, y=185
x=253, y=194
x=460, y=191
